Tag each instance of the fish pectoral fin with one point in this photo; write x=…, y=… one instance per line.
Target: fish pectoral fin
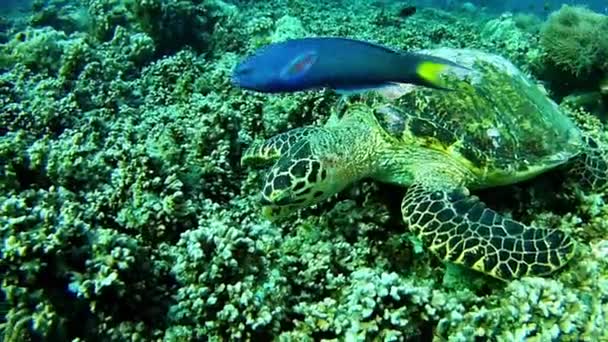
x=361, y=88
x=299, y=65
x=390, y=91
x=394, y=91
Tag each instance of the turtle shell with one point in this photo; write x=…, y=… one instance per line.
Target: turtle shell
x=495, y=120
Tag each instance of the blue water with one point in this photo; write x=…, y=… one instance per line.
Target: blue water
x=4, y=4
x=538, y=7
x=534, y=6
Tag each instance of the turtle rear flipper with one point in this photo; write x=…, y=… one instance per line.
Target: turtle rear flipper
x=590, y=168
x=459, y=228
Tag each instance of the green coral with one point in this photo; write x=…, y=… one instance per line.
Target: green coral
x=574, y=39
x=515, y=35
x=230, y=288
x=371, y=305
x=38, y=49
x=126, y=215
x=61, y=15
x=175, y=24
x=47, y=241
x=542, y=309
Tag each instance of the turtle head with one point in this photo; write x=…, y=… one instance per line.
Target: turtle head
x=301, y=178
x=309, y=165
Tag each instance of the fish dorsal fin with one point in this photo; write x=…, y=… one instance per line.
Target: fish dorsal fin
x=371, y=44
x=299, y=65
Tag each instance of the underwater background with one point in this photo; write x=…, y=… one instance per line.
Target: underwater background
x=125, y=213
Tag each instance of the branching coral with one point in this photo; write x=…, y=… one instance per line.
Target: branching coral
x=574, y=39
x=230, y=287
x=511, y=33
x=125, y=214
x=175, y=24
x=571, y=309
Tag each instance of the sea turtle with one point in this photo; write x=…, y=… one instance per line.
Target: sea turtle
x=495, y=127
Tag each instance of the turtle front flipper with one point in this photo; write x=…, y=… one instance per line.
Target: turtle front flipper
x=459, y=228
x=590, y=168
x=265, y=152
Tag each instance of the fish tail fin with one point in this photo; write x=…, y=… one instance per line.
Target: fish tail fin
x=430, y=72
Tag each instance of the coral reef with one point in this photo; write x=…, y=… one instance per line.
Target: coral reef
x=126, y=215
x=573, y=39
x=516, y=39
x=175, y=24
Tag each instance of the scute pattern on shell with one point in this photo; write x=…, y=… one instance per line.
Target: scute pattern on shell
x=496, y=119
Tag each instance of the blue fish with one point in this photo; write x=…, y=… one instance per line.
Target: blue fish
x=345, y=65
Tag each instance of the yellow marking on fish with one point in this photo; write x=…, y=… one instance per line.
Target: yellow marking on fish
x=430, y=71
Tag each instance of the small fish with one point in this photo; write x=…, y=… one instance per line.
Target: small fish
x=345, y=65
x=407, y=11
x=604, y=85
